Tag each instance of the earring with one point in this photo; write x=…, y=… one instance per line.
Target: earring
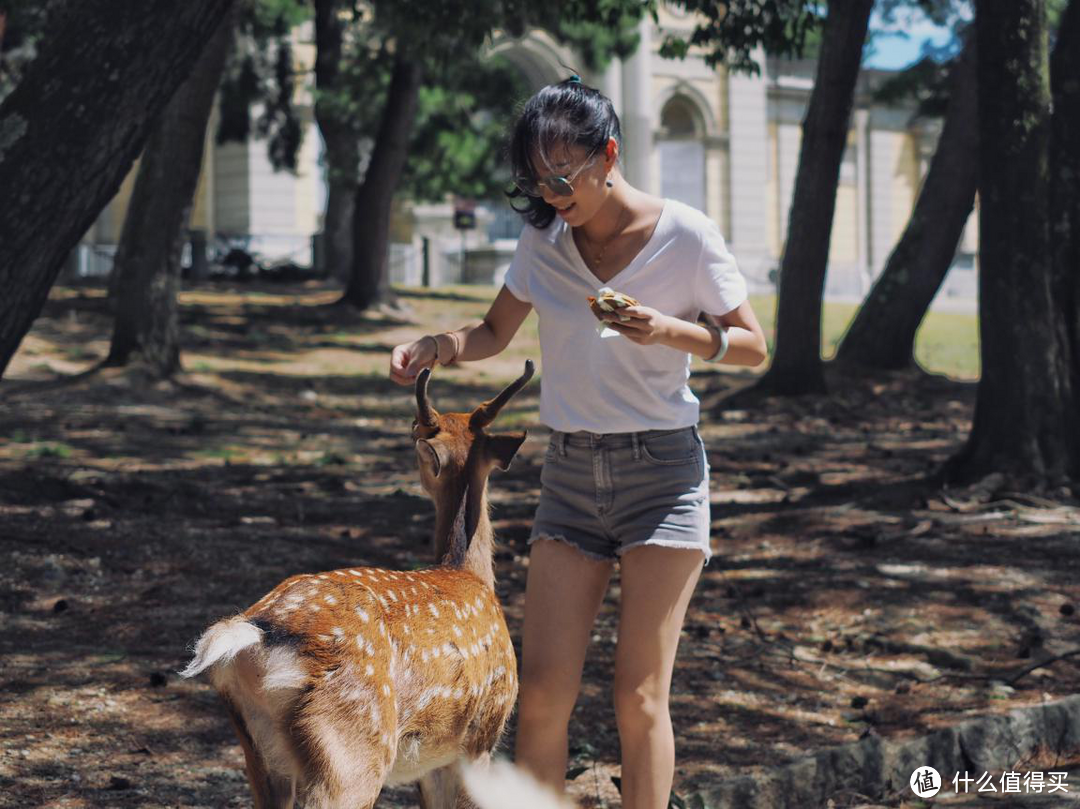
x=609, y=184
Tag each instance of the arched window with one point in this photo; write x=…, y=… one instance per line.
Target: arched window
x=682, y=153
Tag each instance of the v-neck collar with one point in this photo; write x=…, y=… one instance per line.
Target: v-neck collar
x=582, y=267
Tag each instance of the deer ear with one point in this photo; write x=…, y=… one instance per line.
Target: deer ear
x=434, y=454
x=503, y=447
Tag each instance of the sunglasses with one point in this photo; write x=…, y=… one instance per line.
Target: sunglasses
x=559, y=185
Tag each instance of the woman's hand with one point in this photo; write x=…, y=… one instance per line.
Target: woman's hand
x=645, y=327
x=409, y=359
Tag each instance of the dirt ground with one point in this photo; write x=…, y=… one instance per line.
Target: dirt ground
x=851, y=594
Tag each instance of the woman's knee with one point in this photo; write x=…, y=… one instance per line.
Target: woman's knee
x=640, y=706
x=544, y=702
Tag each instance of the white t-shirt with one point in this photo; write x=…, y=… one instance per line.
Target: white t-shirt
x=610, y=384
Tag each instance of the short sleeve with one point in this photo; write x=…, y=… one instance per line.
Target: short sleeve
x=721, y=288
x=517, y=276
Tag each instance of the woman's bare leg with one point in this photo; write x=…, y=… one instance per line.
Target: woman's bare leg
x=563, y=594
x=657, y=584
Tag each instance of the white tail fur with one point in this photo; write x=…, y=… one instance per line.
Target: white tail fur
x=501, y=784
x=221, y=643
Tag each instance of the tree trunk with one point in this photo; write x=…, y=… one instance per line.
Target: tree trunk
x=146, y=271
x=369, y=281
x=71, y=129
x=341, y=139
x=797, y=366
x=1065, y=201
x=882, y=336
x=1020, y=423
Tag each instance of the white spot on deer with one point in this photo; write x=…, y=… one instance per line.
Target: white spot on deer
x=369, y=670
x=363, y=615
x=315, y=607
x=436, y=651
x=405, y=629
x=386, y=689
x=354, y=572
x=392, y=594
x=324, y=578
x=412, y=590
x=330, y=600
x=424, y=655
x=457, y=630
x=434, y=610
x=337, y=631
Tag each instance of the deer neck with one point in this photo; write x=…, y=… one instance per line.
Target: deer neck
x=463, y=536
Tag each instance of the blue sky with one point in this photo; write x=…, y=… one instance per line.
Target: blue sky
x=900, y=43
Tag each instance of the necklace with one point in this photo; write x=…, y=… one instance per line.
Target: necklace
x=616, y=232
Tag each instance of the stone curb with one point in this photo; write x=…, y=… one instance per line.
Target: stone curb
x=877, y=768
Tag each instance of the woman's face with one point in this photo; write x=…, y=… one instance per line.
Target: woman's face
x=586, y=170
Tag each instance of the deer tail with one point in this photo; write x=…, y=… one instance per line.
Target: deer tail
x=221, y=643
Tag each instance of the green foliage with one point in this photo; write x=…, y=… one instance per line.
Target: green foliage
x=260, y=71
x=459, y=140
x=598, y=29
x=24, y=21
x=733, y=29
x=54, y=450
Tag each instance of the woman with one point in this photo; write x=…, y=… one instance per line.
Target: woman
x=625, y=476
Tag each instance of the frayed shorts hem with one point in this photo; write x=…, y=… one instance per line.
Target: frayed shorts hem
x=599, y=557
x=667, y=543
x=596, y=557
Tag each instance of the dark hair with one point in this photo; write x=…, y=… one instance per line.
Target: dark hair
x=565, y=114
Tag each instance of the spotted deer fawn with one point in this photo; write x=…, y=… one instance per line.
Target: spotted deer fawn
x=340, y=682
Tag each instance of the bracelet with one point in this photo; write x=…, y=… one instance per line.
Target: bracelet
x=432, y=336
x=456, y=340
x=724, y=342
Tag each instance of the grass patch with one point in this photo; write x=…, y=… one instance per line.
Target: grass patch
x=946, y=343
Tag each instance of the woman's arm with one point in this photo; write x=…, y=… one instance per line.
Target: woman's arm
x=746, y=340
x=477, y=342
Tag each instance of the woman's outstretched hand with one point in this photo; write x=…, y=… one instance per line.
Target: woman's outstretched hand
x=409, y=359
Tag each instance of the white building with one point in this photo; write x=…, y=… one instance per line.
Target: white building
x=725, y=143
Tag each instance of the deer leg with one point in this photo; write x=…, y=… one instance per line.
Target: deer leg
x=269, y=791
x=440, y=788
x=345, y=768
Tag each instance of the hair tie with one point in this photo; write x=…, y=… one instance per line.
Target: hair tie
x=574, y=77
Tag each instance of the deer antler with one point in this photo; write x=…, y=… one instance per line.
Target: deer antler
x=425, y=413
x=486, y=413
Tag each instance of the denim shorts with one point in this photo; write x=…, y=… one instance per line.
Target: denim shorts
x=606, y=492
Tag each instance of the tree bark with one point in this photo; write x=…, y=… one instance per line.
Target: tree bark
x=369, y=280
x=71, y=129
x=1065, y=202
x=882, y=336
x=340, y=138
x=1020, y=426
x=797, y=366
x=146, y=271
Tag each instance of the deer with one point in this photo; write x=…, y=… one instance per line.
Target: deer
x=338, y=683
